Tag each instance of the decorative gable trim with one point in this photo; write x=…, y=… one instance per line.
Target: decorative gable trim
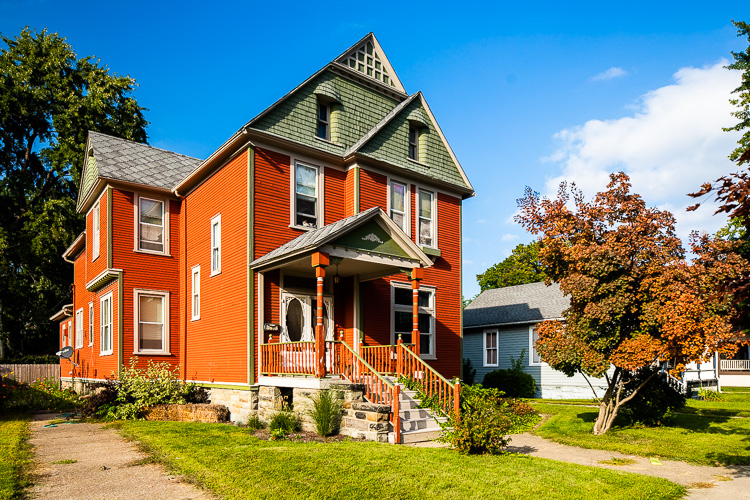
x=367, y=58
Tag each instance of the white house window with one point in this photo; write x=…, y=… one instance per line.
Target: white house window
x=490, y=348
x=426, y=219
x=216, y=245
x=324, y=125
x=299, y=317
x=91, y=323
x=151, y=225
x=152, y=318
x=196, y=292
x=95, y=239
x=534, y=358
x=402, y=303
x=105, y=324
x=79, y=328
x=398, y=204
x=305, y=196
x=413, y=143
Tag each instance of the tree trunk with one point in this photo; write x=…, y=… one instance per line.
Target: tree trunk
x=607, y=412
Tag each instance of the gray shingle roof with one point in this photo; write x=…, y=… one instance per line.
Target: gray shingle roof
x=315, y=238
x=130, y=161
x=516, y=304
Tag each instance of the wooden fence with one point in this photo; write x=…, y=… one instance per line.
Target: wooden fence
x=30, y=373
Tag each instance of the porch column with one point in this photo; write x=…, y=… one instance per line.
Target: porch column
x=319, y=261
x=417, y=274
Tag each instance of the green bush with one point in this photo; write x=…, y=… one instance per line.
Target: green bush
x=42, y=394
x=515, y=384
x=654, y=403
x=254, y=423
x=285, y=421
x=485, y=419
x=469, y=372
x=326, y=411
x=707, y=394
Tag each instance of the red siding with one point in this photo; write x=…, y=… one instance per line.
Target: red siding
x=100, y=264
x=349, y=186
x=335, y=201
x=373, y=190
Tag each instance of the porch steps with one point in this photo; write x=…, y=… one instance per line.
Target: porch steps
x=417, y=424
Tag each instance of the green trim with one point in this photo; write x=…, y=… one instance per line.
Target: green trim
x=371, y=237
x=120, y=331
x=109, y=227
x=433, y=252
x=361, y=316
x=356, y=190
x=226, y=386
x=250, y=257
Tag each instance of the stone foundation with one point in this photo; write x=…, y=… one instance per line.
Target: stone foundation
x=204, y=413
x=367, y=420
x=242, y=404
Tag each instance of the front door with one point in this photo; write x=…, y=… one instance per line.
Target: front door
x=298, y=317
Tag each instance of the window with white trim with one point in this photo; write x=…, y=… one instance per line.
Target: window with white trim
x=196, y=294
x=216, y=245
x=96, y=222
x=151, y=225
x=426, y=219
x=398, y=203
x=402, y=303
x=79, y=328
x=151, y=322
x=91, y=323
x=306, y=203
x=534, y=358
x=324, y=122
x=490, y=348
x=105, y=324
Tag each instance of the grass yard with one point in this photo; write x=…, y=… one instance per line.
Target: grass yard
x=15, y=455
x=232, y=463
x=704, y=432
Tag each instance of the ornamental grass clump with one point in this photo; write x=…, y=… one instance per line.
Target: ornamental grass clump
x=326, y=411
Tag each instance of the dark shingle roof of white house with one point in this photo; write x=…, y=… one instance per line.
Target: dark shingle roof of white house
x=516, y=304
x=129, y=161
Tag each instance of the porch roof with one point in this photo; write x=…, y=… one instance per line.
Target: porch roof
x=391, y=246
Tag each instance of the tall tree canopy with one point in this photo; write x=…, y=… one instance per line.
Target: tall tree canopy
x=520, y=267
x=634, y=300
x=49, y=100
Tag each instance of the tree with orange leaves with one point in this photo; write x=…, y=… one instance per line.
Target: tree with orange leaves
x=634, y=299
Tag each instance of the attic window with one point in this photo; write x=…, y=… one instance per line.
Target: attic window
x=366, y=61
x=324, y=124
x=414, y=143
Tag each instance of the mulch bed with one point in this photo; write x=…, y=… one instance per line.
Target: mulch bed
x=306, y=437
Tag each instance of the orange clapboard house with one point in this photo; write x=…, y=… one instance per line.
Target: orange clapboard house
x=322, y=240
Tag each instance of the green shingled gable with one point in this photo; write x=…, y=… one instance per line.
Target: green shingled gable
x=391, y=144
x=88, y=178
x=295, y=117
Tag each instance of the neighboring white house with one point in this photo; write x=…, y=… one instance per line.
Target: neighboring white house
x=736, y=371
x=501, y=322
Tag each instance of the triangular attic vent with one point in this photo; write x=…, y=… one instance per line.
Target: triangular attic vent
x=368, y=58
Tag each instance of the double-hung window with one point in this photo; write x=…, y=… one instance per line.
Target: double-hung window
x=305, y=196
x=425, y=219
x=413, y=143
x=91, y=323
x=398, y=204
x=152, y=322
x=79, y=328
x=105, y=324
x=534, y=358
x=324, y=122
x=490, y=348
x=216, y=245
x=196, y=294
x=151, y=225
x=402, y=316
x=96, y=224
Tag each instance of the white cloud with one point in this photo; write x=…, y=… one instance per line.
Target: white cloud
x=672, y=143
x=481, y=221
x=610, y=74
x=509, y=237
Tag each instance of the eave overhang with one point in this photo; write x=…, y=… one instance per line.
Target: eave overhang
x=75, y=248
x=103, y=278
x=65, y=312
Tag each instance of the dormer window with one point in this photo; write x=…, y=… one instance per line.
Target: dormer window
x=414, y=143
x=324, y=124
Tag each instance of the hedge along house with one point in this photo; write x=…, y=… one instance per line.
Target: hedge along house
x=299, y=253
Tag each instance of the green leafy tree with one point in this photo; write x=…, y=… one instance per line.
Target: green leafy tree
x=522, y=266
x=49, y=100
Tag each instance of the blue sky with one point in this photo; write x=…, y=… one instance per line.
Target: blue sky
x=526, y=94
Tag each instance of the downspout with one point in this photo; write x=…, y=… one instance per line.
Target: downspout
x=183, y=251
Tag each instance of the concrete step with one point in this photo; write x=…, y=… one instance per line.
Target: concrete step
x=421, y=435
x=408, y=404
x=410, y=413
x=407, y=394
x=419, y=424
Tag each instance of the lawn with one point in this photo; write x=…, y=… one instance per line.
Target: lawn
x=231, y=462
x=704, y=432
x=15, y=455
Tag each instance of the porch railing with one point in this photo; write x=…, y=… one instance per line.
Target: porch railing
x=430, y=382
x=735, y=364
x=380, y=357
x=296, y=358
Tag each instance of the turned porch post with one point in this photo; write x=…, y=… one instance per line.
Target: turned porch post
x=417, y=274
x=319, y=261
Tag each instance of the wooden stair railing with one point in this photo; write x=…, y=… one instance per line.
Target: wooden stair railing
x=431, y=383
x=378, y=389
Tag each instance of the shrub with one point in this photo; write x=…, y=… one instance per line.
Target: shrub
x=42, y=394
x=254, y=423
x=485, y=419
x=654, y=403
x=469, y=372
x=707, y=394
x=195, y=394
x=103, y=394
x=326, y=411
x=285, y=421
x=514, y=383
